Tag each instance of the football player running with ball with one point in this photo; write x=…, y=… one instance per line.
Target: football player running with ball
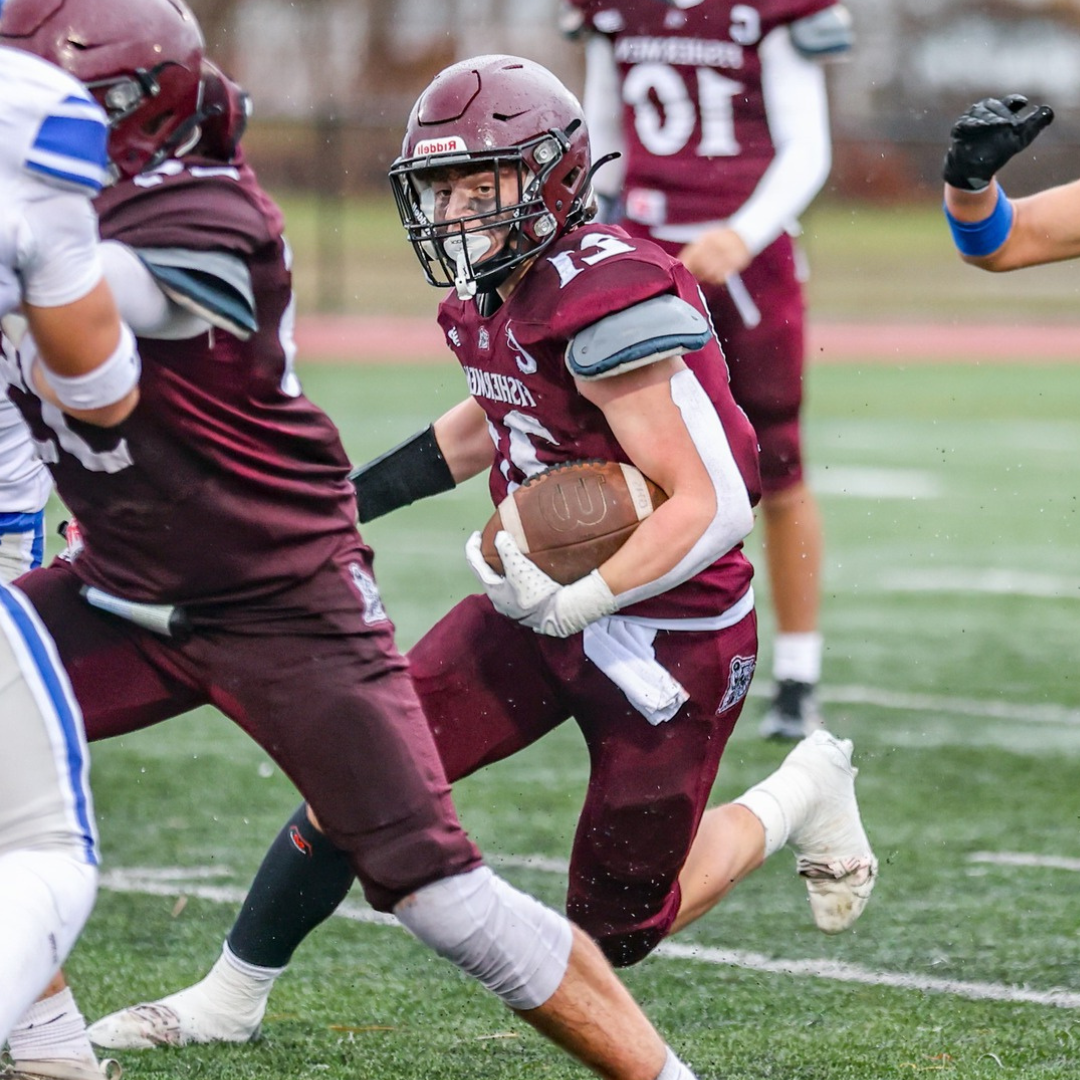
x=576, y=341
x=221, y=562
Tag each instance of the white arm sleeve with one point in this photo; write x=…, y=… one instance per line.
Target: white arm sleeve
x=143, y=306
x=797, y=108
x=58, y=259
x=602, y=104
x=734, y=516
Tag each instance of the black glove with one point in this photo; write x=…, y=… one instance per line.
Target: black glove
x=987, y=135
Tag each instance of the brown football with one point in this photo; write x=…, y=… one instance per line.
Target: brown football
x=571, y=518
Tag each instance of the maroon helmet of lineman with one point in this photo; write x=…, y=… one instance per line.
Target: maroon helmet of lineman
x=141, y=59
x=493, y=113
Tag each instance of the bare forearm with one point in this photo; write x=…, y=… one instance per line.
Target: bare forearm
x=660, y=542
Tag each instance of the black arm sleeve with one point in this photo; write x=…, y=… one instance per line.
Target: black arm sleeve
x=412, y=470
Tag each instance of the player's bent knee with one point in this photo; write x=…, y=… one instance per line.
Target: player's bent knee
x=47, y=898
x=512, y=944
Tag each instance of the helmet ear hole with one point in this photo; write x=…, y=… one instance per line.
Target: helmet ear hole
x=570, y=180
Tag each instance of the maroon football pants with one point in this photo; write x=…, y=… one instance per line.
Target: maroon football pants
x=335, y=710
x=490, y=687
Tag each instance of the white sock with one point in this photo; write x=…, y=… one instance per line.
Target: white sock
x=233, y=989
x=253, y=977
x=52, y=1028
x=797, y=657
x=674, y=1069
x=780, y=802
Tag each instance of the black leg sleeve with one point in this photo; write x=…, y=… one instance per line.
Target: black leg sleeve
x=302, y=880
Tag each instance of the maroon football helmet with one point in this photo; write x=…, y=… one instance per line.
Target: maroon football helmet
x=141, y=59
x=493, y=112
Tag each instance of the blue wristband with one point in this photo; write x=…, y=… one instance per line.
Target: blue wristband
x=984, y=237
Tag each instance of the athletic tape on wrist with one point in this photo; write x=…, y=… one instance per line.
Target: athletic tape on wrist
x=107, y=384
x=978, y=238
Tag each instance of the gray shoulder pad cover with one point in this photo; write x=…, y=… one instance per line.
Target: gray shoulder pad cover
x=823, y=34
x=652, y=330
x=214, y=285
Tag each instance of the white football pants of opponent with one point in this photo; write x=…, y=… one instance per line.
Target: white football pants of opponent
x=48, y=850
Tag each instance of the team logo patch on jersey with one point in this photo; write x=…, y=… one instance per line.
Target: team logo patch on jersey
x=455, y=337
x=451, y=144
x=374, y=611
x=526, y=364
x=483, y=340
x=742, y=671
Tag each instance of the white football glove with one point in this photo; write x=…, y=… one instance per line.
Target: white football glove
x=530, y=597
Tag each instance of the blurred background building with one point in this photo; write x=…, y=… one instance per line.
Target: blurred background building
x=333, y=80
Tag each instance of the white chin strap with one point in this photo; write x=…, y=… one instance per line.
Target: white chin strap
x=466, y=254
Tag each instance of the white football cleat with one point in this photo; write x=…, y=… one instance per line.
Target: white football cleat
x=59, y=1069
x=832, y=850
x=178, y=1020
x=226, y=1006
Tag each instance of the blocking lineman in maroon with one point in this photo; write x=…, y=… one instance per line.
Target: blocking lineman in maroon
x=226, y=494
x=226, y=483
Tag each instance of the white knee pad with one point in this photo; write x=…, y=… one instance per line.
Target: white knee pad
x=46, y=899
x=518, y=948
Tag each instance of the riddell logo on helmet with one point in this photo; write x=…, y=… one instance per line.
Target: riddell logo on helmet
x=450, y=145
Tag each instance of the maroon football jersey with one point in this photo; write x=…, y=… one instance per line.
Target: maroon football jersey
x=514, y=363
x=696, y=133
x=225, y=483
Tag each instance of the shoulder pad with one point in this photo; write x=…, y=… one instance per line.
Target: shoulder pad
x=214, y=285
x=825, y=33
x=643, y=334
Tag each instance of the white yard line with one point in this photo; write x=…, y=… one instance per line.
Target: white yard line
x=989, y=582
x=1019, y=858
x=840, y=972
x=861, y=482
x=983, y=708
x=174, y=881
